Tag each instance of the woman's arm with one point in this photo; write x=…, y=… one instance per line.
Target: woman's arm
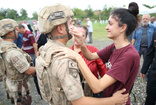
x=118, y=98
x=101, y=67
x=87, y=54
x=95, y=84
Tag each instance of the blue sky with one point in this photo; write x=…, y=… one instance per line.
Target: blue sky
x=37, y=5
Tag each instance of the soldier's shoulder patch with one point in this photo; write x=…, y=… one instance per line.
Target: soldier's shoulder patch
x=15, y=59
x=72, y=64
x=73, y=68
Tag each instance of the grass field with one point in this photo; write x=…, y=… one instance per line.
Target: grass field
x=99, y=31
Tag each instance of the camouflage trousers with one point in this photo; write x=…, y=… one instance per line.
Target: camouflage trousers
x=6, y=88
x=13, y=89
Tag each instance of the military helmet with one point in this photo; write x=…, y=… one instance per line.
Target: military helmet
x=51, y=16
x=6, y=26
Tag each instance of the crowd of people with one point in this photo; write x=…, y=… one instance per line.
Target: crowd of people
x=81, y=74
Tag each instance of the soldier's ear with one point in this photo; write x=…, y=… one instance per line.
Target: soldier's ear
x=11, y=33
x=60, y=28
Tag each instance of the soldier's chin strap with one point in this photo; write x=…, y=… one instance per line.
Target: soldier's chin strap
x=12, y=36
x=63, y=36
x=59, y=37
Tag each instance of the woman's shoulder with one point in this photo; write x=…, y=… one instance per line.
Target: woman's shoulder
x=131, y=52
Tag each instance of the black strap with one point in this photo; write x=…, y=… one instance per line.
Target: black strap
x=19, y=93
x=12, y=36
x=20, y=83
x=26, y=86
x=20, y=88
x=67, y=28
x=59, y=37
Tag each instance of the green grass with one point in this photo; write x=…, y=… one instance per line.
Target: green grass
x=99, y=31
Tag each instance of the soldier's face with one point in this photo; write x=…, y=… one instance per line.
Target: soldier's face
x=70, y=23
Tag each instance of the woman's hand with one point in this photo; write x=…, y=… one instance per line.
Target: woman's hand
x=120, y=98
x=77, y=35
x=68, y=53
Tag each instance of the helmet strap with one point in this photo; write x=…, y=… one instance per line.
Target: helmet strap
x=67, y=29
x=12, y=36
x=63, y=36
x=15, y=34
x=59, y=37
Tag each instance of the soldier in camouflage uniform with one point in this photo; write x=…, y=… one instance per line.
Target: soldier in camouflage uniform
x=75, y=22
x=0, y=45
x=17, y=63
x=59, y=80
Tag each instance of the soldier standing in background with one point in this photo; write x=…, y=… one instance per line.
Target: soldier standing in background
x=17, y=64
x=75, y=23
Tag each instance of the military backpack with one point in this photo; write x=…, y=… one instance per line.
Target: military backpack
x=2, y=64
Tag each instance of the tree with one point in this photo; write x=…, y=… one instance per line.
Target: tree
x=12, y=14
x=89, y=12
x=106, y=12
x=1, y=15
x=78, y=13
x=23, y=13
x=148, y=6
x=4, y=12
x=35, y=15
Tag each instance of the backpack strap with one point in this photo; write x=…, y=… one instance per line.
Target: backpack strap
x=26, y=86
x=42, y=63
x=45, y=52
x=27, y=98
x=19, y=100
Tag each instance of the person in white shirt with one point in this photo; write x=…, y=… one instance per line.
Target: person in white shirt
x=90, y=29
x=25, y=25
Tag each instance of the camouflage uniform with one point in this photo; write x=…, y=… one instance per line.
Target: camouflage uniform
x=59, y=80
x=15, y=60
x=75, y=23
x=1, y=78
x=63, y=76
x=16, y=64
